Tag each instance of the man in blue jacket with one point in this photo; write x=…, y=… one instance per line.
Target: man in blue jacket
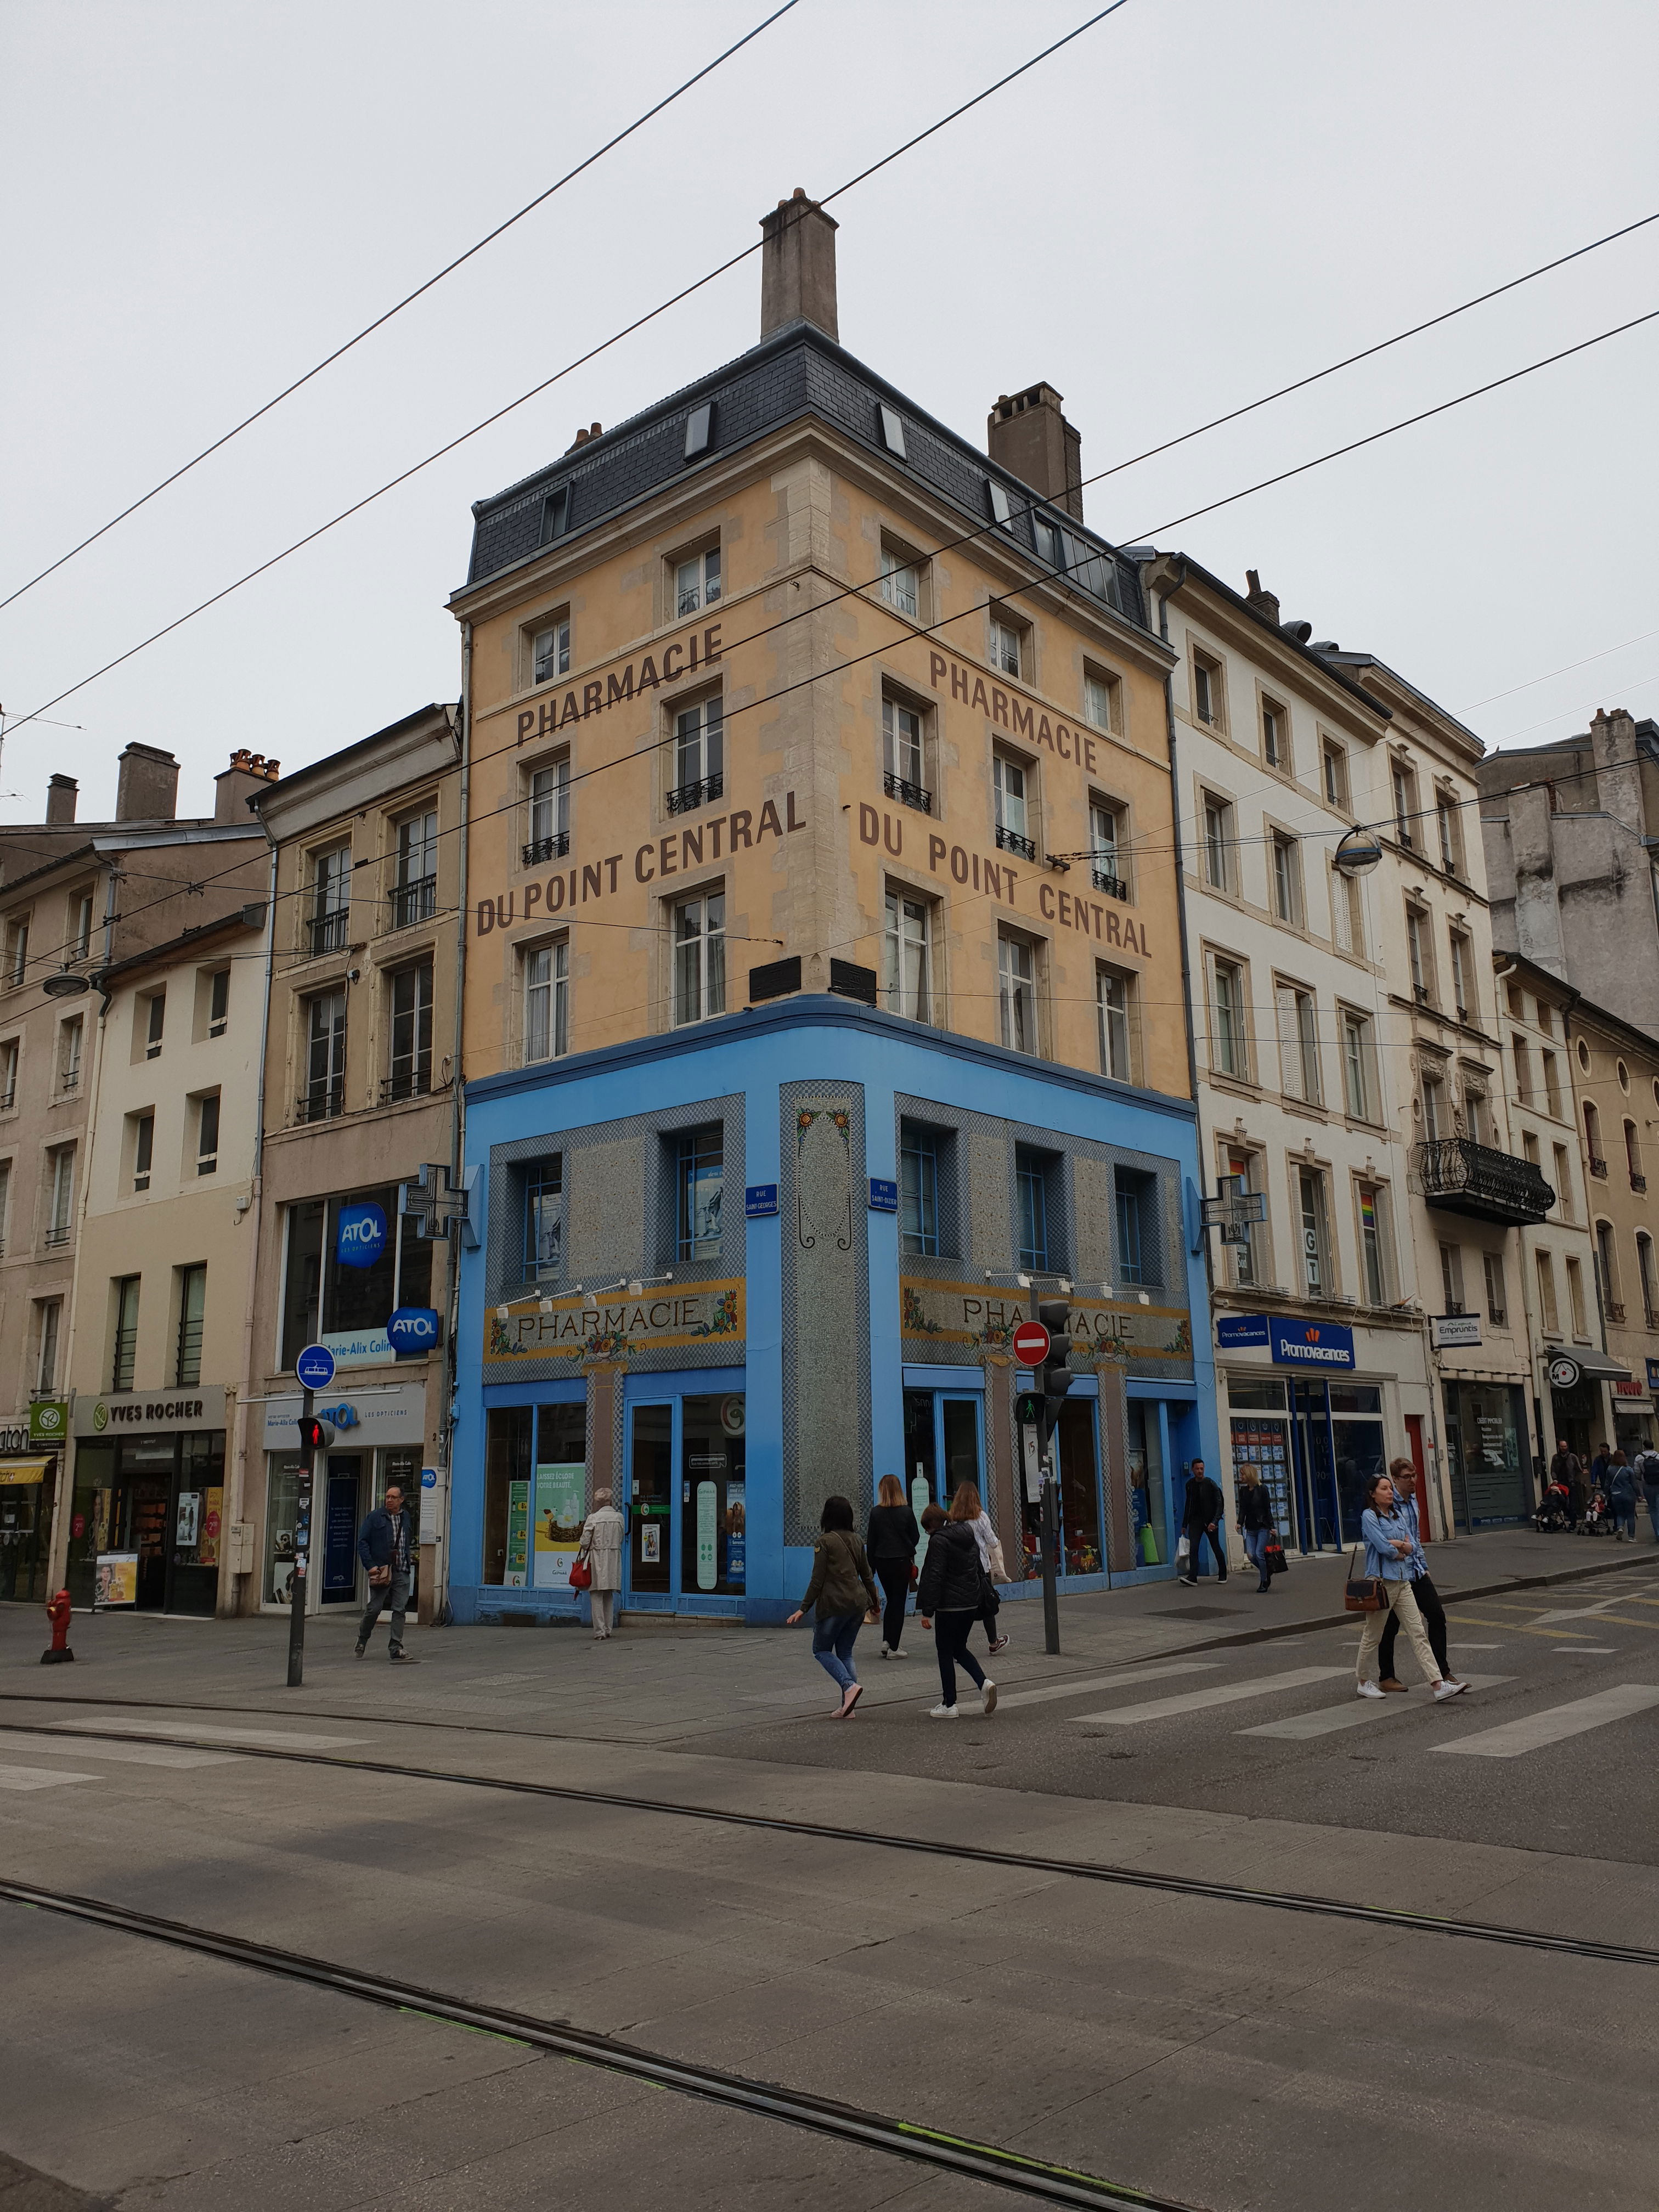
x=384, y=1548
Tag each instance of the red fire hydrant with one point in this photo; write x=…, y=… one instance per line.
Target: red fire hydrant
x=58, y=1612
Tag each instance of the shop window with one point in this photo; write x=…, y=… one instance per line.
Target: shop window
x=1082, y=1552
x=699, y=954
x=544, y=1219
x=1037, y=1182
x=714, y=1497
x=192, y=1313
x=907, y=948
x=509, y=1432
x=409, y=1071
x=1138, y=1257
x=123, y=1345
x=918, y=1189
x=700, y=1182
x=1149, y=1521
x=1017, y=992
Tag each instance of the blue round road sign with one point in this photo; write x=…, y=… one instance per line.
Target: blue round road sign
x=315, y=1367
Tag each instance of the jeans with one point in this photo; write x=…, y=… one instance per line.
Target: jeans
x=1403, y=1605
x=1217, y=1543
x=951, y=1643
x=1652, y=1496
x=1624, y=1517
x=894, y=1576
x=1255, y=1550
x=832, y=1646
x=395, y=1593
x=1428, y=1604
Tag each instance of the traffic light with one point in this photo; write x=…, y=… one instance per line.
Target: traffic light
x=1056, y=1315
x=315, y=1434
x=1028, y=1409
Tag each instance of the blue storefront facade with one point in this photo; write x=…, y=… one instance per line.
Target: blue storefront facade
x=729, y=1271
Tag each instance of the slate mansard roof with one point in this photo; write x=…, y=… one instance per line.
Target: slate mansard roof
x=794, y=371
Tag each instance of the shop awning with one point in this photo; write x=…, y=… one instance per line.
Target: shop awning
x=1596, y=1367
x=21, y=1470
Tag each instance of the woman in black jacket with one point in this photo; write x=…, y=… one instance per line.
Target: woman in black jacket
x=1255, y=1518
x=949, y=1594
x=890, y=1541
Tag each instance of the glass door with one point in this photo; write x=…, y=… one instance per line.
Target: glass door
x=1081, y=1552
x=340, y=1517
x=1310, y=1423
x=713, y=1502
x=648, y=1562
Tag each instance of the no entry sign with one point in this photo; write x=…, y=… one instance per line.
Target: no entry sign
x=1030, y=1344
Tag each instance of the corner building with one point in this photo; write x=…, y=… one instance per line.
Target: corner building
x=824, y=979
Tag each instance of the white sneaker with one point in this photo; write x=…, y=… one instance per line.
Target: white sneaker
x=988, y=1696
x=943, y=1713
x=1445, y=1690
x=1366, y=1690
x=899, y=1651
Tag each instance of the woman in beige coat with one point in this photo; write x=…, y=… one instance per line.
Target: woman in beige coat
x=602, y=1547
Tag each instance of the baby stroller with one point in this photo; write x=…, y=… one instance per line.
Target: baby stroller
x=1553, y=1511
x=1598, y=1515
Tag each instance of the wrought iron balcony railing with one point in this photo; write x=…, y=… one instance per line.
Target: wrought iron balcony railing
x=908, y=795
x=1615, y=1310
x=1011, y=841
x=1113, y=886
x=328, y=931
x=1459, y=1177
x=547, y=848
x=406, y=1083
x=1598, y=1167
x=686, y=796
x=324, y=1102
x=1638, y=1180
x=414, y=902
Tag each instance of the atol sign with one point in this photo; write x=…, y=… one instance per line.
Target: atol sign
x=1312, y=1344
x=361, y=1237
x=413, y=1331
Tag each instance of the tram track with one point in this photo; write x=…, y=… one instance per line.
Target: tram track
x=1196, y=1887
x=935, y=2147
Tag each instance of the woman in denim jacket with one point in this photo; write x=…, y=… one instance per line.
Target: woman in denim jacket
x=1393, y=1555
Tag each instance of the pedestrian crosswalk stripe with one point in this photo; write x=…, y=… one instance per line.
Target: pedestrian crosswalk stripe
x=279, y=1739
x=123, y=1754
x=1326, y=1720
x=38, y=1778
x=1218, y=1693
x=1556, y=1722
x=1590, y=1650
x=1126, y=1676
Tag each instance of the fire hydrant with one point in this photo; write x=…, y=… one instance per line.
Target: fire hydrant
x=58, y=1612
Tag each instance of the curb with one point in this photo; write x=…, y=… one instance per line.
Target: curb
x=1278, y=1630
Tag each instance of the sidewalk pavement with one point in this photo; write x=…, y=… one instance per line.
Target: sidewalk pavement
x=667, y=1680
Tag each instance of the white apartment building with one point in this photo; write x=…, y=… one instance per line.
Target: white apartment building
x=1348, y=1072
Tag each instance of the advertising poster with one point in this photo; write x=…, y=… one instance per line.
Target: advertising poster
x=212, y=1521
x=737, y=1562
x=651, y=1544
x=561, y=1495
x=518, y=1535
x=188, y=1529
x=709, y=1568
x=117, y=1580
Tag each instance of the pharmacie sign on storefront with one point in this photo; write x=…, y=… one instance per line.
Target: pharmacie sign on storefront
x=984, y=1320
x=613, y=1327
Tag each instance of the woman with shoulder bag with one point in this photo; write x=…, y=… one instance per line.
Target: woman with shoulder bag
x=1255, y=1519
x=840, y=1585
x=966, y=1505
x=891, y=1540
x=1392, y=1555
x=600, y=1551
x=949, y=1598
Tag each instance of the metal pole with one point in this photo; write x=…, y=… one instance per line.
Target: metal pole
x=297, y=1617
x=1049, y=1525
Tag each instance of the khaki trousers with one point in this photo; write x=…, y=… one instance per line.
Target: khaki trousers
x=1404, y=1607
x=603, y=1605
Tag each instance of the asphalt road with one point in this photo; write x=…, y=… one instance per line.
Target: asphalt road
x=1222, y=2054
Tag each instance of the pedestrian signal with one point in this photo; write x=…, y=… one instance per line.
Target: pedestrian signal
x=1056, y=1378
x=315, y=1435
x=1028, y=1409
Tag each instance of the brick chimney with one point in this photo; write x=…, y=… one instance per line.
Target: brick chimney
x=1029, y=437
x=234, y=785
x=798, y=266
x=1265, y=603
x=146, y=785
x=62, y=793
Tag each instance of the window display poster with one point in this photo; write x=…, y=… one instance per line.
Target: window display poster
x=736, y=1535
x=651, y=1543
x=561, y=1499
x=213, y=1516
x=1264, y=1446
x=117, y=1582
x=188, y=1528
x=708, y=1565
x=518, y=1535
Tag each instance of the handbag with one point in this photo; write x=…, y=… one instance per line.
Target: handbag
x=1184, y=1548
x=1363, y=1593
x=378, y=1578
x=1272, y=1553
x=581, y=1575
x=989, y=1603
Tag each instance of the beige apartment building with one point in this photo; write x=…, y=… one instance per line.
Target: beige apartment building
x=164, y=1269
x=75, y=898
x=359, y=1094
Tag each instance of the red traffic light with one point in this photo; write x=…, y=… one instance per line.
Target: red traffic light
x=315, y=1435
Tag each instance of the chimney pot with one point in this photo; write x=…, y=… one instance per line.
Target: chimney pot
x=1264, y=603
x=62, y=793
x=798, y=266
x=146, y=785
x=1030, y=436
x=232, y=786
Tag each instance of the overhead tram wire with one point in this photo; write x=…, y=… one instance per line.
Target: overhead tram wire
x=546, y=383
x=408, y=300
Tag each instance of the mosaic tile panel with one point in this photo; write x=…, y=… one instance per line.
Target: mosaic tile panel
x=826, y=1302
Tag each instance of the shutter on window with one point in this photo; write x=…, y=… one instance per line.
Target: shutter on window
x=1290, y=1043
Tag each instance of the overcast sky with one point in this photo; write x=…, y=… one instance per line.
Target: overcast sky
x=1199, y=200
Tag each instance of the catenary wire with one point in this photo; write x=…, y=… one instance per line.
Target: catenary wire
x=593, y=352
x=408, y=300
